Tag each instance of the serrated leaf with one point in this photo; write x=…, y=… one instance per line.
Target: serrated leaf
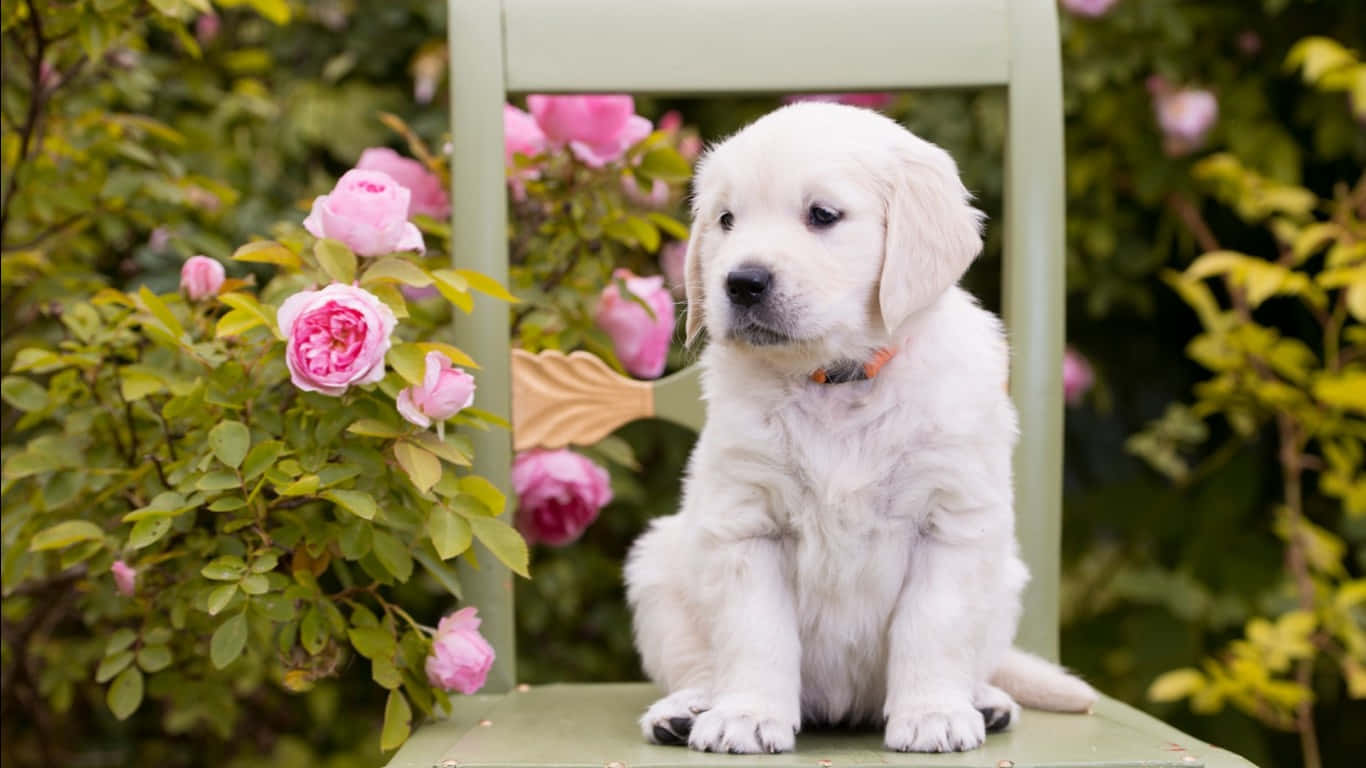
x=230, y=441
x=125, y=694
x=396, y=270
x=398, y=722
x=267, y=252
x=64, y=535
x=384, y=673
x=336, y=260
x=372, y=642
x=503, y=541
x=358, y=503
x=450, y=533
x=480, y=488
x=228, y=641
x=441, y=448
x=421, y=465
x=392, y=554
x=454, y=288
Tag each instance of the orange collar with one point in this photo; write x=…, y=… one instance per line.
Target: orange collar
x=848, y=370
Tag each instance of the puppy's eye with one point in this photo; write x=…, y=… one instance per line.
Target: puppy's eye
x=727, y=220
x=821, y=217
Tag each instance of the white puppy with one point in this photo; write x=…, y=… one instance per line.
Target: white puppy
x=846, y=548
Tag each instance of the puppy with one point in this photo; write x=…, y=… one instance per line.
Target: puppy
x=845, y=552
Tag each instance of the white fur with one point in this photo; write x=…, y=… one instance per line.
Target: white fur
x=845, y=553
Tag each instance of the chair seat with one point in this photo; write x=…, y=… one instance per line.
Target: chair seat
x=595, y=725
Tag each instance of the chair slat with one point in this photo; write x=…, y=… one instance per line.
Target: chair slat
x=732, y=46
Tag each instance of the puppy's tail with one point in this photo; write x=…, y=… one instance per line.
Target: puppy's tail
x=1040, y=684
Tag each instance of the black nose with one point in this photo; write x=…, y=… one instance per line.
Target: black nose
x=746, y=286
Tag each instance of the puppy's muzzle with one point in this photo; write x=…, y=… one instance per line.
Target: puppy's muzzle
x=748, y=285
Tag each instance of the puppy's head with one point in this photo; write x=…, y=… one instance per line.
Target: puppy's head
x=819, y=230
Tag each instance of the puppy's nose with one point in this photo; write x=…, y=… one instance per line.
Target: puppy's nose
x=747, y=285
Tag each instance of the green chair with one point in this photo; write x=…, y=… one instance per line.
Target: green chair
x=736, y=46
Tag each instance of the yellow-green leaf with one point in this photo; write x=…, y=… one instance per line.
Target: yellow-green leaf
x=503, y=541
x=229, y=441
x=486, y=285
x=64, y=535
x=1342, y=390
x=454, y=354
x=358, y=503
x=267, y=252
x=421, y=465
x=336, y=260
x=450, y=533
x=395, y=269
x=398, y=722
x=1176, y=684
x=228, y=641
x=125, y=694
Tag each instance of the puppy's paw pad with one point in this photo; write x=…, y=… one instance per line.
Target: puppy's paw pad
x=999, y=711
x=743, y=733
x=952, y=731
x=669, y=720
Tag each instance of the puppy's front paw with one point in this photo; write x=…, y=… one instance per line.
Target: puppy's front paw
x=953, y=730
x=669, y=720
x=742, y=731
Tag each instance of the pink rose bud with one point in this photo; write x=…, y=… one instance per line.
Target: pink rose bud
x=368, y=211
x=1088, y=8
x=876, y=100
x=641, y=342
x=521, y=134
x=671, y=260
x=598, y=128
x=201, y=277
x=125, y=577
x=671, y=121
x=461, y=657
x=559, y=494
x=1077, y=376
x=1185, y=115
x=426, y=195
x=335, y=337
x=445, y=391
x=206, y=27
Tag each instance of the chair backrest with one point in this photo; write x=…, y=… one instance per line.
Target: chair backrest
x=731, y=46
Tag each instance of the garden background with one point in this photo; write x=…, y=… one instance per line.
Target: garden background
x=139, y=134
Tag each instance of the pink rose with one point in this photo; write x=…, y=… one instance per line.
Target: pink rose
x=335, y=337
x=671, y=261
x=461, y=657
x=1088, y=8
x=201, y=277
x=521, y=134
x=875, y=100
x=1077, y=376
x=206, y=27
x=641, y=341
x=125, y=577
x=426, y=195
x=368, y=211
x=559, y=494
x=445, y=391
x=1185, y=115
x=598, y=128
x=657, y=197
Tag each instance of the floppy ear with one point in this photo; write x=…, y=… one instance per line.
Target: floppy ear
x=933, y=233
x=692, y=281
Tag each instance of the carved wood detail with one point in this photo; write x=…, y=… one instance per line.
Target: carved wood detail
x=560, y=399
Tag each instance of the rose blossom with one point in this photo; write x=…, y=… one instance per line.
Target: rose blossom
x=125, y=577
x=426, y=195
x=521, y=134
x=201, y=277
x=1089, y=8
x=445, y=391
x=335, y=337
x=672, y=259
x=641, y=341
x=368, y=211
x=598, y=128
x=1077, y=376
x=461, y=657
x=1185, y=115
x=559, y=494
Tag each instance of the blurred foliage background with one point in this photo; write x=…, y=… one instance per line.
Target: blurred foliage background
x=268, y=100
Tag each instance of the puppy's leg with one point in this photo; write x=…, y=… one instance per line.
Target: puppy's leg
x=941, y=632
x=756, y=688
x=669, y=637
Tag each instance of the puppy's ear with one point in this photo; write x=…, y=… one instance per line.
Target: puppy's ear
x=933, y=232
x=692, y=281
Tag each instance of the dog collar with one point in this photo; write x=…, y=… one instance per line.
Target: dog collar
x=841, y=371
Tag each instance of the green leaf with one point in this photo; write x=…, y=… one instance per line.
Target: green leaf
x=385, y=674
x=440, y=571
x=304, y=486
x=312, y=632
x=22, y=393
x=503, y=541
x=393, y=555
x=228, y=641
x=673, y=227
x=409, y=361
x=486, y=285
x=229, y=441
x=373, y=428
x=454, y=288
x=395, y=269
x=664, y=164
x=260, y=457
x=153, y=304
x=421, y=465
x=398, y=722
x=125, y=695
x=441, y=448
x=1176, y=684
x=245, y=302
x=225, y=568
x=450, y=533
x=236, y=322
x=121, y=639
x=154, y=658
x=358, y=503
x=336, y=260
x=135, y=383
x=456, y=355
x=267, y=252
x=372, y=642
x=65, y=534
x=1342, y=390
x=218, y=480
x=227, y=504
x=219, y=597
x=112, y=665
x=255, y=584
x=487, y=492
